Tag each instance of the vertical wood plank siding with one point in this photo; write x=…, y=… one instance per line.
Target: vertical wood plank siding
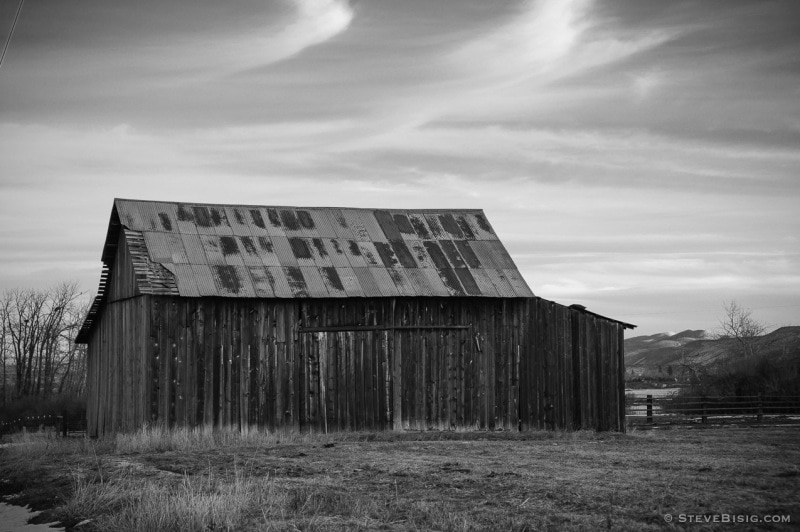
x=354, y=364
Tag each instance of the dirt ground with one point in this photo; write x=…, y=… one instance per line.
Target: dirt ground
x=715, y=479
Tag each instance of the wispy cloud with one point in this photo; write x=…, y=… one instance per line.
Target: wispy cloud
x=264, y=40
x=532, y=43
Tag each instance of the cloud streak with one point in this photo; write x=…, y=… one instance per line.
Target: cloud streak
x=265, y=40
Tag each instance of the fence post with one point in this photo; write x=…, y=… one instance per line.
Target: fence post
x=649, y=409
x=703, y=417
x=760, y=415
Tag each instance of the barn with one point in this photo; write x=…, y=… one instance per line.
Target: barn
x=330, y=319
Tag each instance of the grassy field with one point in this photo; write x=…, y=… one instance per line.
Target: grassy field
x=412, y=481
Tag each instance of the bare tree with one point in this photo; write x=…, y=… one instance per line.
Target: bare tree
x=38, y=340
x=4, y=306
x=739, y=325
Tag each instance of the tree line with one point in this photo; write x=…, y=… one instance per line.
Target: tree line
x=39, y=359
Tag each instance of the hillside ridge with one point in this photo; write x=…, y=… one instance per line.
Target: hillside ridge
x=697, y=347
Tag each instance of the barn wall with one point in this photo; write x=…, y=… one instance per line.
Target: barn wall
x=122, y=281
x=117, y=353
x=116, y=370
x=355, y=364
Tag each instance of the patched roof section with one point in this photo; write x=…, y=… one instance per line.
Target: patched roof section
x=197, y=250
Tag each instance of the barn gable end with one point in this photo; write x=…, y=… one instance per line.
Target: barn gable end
x=335, y=319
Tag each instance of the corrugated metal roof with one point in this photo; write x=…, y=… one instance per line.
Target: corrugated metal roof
x=197, y=250
x=258, y=251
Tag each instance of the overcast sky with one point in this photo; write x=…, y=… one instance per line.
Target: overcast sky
x=640, y=158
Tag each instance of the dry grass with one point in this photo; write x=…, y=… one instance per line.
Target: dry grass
x=205, y=480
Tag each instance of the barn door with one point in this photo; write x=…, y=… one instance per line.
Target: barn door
x=436, y=378
x=345, y=380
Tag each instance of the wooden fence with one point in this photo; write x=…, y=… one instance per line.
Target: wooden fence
x=698, y=410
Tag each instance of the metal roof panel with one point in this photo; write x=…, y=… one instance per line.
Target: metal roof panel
x=165, y=247
x=404, y=227
x=296, y=280
x=262, y=282
x=283, y=250
x=336, y=252
x=353, y=253
x=403, y=254
x=373, y=227
x=290, y=223
x=421, y=256
x=237, y=219
x=435, y=227
x=468, y=282
x=356, y=225
x=350, y=282
x=301, y=248
x=233, y=281
x=249, y=250
x=516, y=281
x=484, y=282
x=452, y=253
x=466, y=230
x=420, y=226
x=339, y=224
x=272, y=221
x=469, y=256
x=367, y=282
x=333, y=282
x=315, y=285
x=279, y=282
x=319, y=251
x=388, y=225
x=185, y=220
x=451, y=281
x=266, y=251
x=450, y=225
x=193, y=247
x=185, y=279
x=435, y=282
x=130, y=215
x=255, y=219
x=499, y=254
x=500, y=282
x=386, y=254
x=436, y=254
x=167, y=216
x=370, y=254
x=231, y=250
x=483, y=250
x=204, y=280
x=324, y=225
x=480, y=226
x=202, y=219
x=419, y=281
x=384, y=282
x=212, y=249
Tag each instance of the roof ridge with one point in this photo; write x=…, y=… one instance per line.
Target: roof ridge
x=305, y=207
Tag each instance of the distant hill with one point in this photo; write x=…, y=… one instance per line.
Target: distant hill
x=665, y=349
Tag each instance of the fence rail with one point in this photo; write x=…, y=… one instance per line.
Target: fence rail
x=63, y=424
x=739, y=410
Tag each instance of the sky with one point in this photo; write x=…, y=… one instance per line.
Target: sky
x=639, y=158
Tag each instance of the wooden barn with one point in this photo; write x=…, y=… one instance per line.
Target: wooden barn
x=333, y=319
